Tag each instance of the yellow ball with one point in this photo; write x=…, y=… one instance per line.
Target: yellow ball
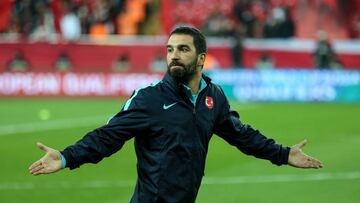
x=44, y=114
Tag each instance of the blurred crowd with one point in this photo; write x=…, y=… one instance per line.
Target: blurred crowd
x=68, y=20
x=252, y=19
x=39, y=19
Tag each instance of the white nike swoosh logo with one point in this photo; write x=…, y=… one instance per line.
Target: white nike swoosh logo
x=169, y=106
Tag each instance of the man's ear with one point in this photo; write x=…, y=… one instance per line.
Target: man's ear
x=201, y=59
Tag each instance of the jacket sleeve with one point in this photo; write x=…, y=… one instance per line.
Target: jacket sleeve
x=108, y=139
x=247, y=139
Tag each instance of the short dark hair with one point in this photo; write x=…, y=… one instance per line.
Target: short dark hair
x=198, y=37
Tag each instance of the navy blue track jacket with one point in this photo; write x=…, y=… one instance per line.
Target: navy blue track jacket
x=171, y=139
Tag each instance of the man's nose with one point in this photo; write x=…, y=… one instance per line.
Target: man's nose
x=175, y=55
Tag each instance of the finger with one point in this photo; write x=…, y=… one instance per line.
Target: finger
x=36, y=169
x=42, y=147
x=302, y=143
x=314, y=163
x=40, y=171
x=35, y=164
x=318, y=164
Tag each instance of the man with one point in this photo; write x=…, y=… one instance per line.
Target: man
x=172, y=122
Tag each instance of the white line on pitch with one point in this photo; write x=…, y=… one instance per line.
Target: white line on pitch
x=51, y=125
x=282, y=178
x=207, y=181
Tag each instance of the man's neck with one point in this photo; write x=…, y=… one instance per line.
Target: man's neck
x=194, y=83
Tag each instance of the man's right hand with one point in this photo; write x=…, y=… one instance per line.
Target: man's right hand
x=49, y=163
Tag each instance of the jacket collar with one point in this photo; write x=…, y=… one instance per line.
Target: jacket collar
x=178, y=86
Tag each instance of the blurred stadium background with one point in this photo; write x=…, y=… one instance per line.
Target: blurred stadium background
x=289, y=67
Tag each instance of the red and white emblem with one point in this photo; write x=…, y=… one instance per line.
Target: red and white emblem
x=209, y=102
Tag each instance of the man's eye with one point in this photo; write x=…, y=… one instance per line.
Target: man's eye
x=169, y=50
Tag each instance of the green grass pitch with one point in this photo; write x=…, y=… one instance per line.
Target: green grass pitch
x=332, y=130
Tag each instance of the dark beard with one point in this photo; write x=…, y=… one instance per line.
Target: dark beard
x=183, y=75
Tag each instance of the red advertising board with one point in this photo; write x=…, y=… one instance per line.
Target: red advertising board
x=73, y=84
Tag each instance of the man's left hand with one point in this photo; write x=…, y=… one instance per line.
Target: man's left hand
x=300, y=160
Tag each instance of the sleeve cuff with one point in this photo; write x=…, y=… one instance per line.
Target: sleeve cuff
x=63, y=161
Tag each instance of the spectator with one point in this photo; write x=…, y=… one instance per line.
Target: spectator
x=101, y=25
x=158, y=64
x=244, y=16
x=237, y=47
x=121, y=64
x=22, y=15
x=99, y=30
x=70, y=24
x=44, y=28
x=287, y=27
x=63, y=63
x=272, y=27
x=85, y=18
x=279, y=24
x=324, y=55
x=18, y=63
x=265, y=62
x=218, y=25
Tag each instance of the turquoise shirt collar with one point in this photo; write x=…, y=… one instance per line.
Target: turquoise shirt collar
x=192, y=96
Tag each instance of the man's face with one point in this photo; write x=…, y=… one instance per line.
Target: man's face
x=182, y=60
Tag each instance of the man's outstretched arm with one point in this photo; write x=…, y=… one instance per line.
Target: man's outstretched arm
x=49, y=163
x=98, y=143
x=299, y=159
x=252, y=142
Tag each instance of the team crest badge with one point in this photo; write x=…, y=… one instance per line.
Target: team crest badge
x=209, y=102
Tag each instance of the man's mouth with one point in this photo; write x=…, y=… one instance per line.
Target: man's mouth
x=177, y=66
